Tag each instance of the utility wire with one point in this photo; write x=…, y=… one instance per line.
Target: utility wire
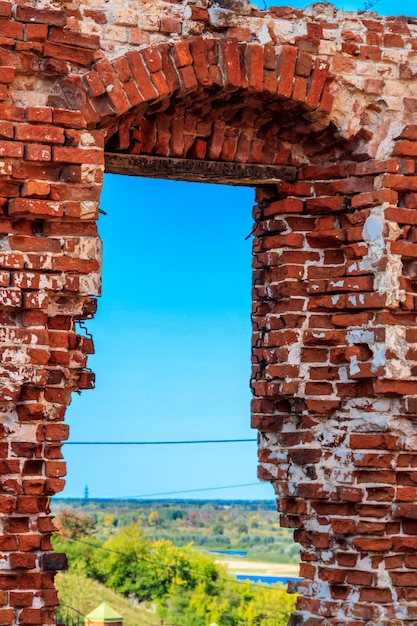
x=166, y=567
x=155, y=443
x=172, y=493
x=67, y=606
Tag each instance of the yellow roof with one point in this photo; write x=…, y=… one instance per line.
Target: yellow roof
x=103, y=613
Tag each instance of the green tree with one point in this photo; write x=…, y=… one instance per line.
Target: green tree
x=124, y=564
x=274, y=602
x=218, y=528
x=81, y=555
x=188, y=587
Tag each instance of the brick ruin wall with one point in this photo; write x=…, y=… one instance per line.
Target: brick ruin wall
x=329, y=93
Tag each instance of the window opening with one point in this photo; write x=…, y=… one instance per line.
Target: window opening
x=172, y=337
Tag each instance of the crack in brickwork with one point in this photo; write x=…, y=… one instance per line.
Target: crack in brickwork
x=329, y=93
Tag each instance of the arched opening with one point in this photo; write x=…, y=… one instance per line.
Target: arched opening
x=206, y=113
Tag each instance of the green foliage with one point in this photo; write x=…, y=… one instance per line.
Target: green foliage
x=81, y=556
x=265, y=603
x=227, y=603
x=218, y=529
x=188, y=588
x=176, y=518
x=134, y=565
x=214, y=542
x=126, y=565
x=173, y=514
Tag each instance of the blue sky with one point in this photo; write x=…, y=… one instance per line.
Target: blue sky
x=172, y=338
x=383, y=7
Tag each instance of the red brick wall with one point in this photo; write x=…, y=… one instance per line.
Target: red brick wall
x=335, y=342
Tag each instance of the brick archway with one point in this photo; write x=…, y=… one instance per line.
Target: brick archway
x=330, y=146
x=144, y=82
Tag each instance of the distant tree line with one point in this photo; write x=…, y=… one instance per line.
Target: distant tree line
x=249, y=526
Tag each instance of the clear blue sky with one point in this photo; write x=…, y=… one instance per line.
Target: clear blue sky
x=172, y=338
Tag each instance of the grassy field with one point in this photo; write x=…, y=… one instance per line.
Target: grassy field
x=84, y=594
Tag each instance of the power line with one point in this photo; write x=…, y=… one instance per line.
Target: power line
x=173, y=493
x=155, y=443
x=79, y=614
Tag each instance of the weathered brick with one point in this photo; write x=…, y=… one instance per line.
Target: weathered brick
x=335, y=340
x=77, y=155
x=286, y=61
x=74, y=38
x=199, y=50
x=141, y=76
x=229, y=51
x=40, y=16
x=11, y=149
x=29, y=207
x=42, y=134
x=80, y=56
x=37, y=152
x=254, y=67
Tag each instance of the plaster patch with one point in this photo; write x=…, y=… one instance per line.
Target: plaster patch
x=388, y=283
x=372, y=230
x=90, y=284
x=396, y=343
x=367, y=337
x=87, y=139
x=328, y=433
x=283, y=32
x=384, y=579
x=263, y=35
x=353, y=267
x=88, y=173
x=387, y=280
x=359, y=335
x=353, y=365
x=279, y=456
x=88, y=209
x=343, y=375
x=294, y=353
x=378, y=355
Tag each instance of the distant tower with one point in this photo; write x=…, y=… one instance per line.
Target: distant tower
x=86, y=492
